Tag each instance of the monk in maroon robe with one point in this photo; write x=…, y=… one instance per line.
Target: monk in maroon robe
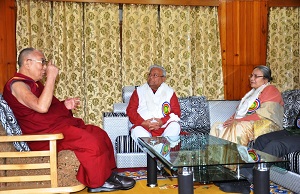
x=38, y=111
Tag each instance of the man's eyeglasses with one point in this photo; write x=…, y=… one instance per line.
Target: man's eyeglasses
x=155, y=75
x=255, y=76
x=43, y=61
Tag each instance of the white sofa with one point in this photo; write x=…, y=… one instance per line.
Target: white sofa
x=197, y=116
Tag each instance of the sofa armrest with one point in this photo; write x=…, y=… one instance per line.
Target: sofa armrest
x=115, y=124
x=120, y=107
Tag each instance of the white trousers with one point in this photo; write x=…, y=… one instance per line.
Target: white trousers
x=173, y=129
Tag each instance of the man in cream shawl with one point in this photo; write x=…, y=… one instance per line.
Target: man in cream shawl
x=153, y=108
x=260, y=111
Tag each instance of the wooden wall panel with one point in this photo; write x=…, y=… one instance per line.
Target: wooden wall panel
x=2, y=46
x=245, y=44
x=7, y=41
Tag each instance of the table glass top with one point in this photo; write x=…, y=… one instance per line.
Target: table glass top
x=201, y=150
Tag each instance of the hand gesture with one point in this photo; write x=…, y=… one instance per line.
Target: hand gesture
x=228, y=122
x=72, y=103
x=51, y=70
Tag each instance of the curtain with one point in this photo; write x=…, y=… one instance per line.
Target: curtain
x=183, y=39
x=83, y=41
x=139, y=42
x=284, y=47
x=102, y=73
x=191, y=51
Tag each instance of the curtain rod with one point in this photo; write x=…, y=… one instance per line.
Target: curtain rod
x=154, y=2
x=271, y=3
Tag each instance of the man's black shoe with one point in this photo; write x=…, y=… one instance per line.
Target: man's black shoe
x=235, y=187
x=106, y=187
x=126, y=182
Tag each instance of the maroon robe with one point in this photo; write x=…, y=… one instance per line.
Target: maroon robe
x=90, y=143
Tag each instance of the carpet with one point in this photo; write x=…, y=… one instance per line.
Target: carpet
x=165, y=186
x=169, y=186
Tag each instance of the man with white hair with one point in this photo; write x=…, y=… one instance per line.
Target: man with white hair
x=153, y=108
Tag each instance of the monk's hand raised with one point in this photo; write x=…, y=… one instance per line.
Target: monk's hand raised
x=51, y=70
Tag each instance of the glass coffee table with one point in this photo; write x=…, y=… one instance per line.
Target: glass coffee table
x=199, y=158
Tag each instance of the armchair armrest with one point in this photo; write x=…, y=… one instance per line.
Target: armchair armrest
x=43, y=137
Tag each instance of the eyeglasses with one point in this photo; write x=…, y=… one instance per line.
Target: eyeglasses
x=43, y=61
x=155, y=75
x=255, y=76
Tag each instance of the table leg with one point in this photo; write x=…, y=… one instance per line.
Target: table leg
x=151, y=171
x=185, y=180
x=261, y=178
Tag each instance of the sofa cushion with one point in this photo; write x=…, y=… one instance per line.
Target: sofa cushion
x=291, y=100
x=10, y=124
x=194, y=114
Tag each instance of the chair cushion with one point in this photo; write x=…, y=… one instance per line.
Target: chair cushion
x=10, y=124
x=194, y=114
x=291, y=100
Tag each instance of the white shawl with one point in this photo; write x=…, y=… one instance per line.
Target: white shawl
x=248, y=100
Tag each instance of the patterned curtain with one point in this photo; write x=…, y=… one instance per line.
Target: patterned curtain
x=34, y=26
x=284, y=47
x=102, y=73
x=83, y=41
x=139, y=42
x=183, y=39
x=191, y=51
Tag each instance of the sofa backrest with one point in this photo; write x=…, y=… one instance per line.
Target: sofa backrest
x=127, y=92
x=221, y=110
x=291, y=100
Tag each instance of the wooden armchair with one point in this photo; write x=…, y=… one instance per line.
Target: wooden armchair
x=45, y=171
x=25, y=171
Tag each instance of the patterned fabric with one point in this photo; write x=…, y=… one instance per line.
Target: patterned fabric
x=294, y=161
x=90, y=36
x=291, y=100
x=113, y=114
x=173, y=36
x=10, y=124
x=283, y=51
x=263, y=126
x=125, y=144
x=194, y=114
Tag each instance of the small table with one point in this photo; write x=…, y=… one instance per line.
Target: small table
x=199, y=158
